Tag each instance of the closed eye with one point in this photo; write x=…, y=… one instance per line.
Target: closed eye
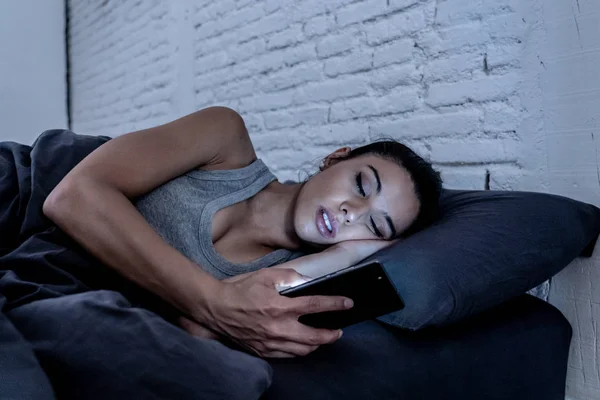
x=377, y=231
x=359, y=185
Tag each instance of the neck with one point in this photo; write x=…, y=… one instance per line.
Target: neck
x=272, y=216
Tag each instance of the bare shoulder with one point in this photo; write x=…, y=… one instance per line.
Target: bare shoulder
x=236, y=150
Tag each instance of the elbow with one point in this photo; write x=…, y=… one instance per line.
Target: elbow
x=57, y=203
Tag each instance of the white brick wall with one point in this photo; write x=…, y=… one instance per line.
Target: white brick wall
x=311, y=74
x=481, y=87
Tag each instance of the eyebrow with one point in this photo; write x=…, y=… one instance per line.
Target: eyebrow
x=386, y=215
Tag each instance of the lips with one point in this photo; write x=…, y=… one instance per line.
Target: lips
x=322, y=226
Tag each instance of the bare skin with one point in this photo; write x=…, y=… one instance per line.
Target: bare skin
x=94, y=201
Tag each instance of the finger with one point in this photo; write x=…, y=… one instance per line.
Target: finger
x=316, y=304
x=285, y=349
x=281, y=347
x=285, y=277
x=259, y=349
x=307, y=335
x=277, y=354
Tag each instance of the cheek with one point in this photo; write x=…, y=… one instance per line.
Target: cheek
x=357, y=232
x=304, y=214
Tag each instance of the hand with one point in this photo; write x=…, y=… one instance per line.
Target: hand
x=249, y=311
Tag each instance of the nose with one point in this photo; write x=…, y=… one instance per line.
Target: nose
x=351, y=213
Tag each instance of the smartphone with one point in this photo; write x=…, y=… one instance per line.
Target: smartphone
x=367, y=284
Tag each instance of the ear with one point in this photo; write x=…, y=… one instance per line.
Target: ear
x=334, y=157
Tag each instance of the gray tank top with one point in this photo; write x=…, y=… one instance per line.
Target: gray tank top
x=181, y=212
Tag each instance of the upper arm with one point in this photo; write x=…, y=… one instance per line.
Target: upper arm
x=137, y=162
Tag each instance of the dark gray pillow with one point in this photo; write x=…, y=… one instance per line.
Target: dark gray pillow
x=487, y=247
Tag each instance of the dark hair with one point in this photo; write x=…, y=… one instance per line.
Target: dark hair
x=426, y=180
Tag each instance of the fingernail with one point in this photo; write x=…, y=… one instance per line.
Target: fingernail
x=340, y=335
x=348, y=303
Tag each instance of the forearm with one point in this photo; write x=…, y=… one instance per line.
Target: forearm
x=106, y=223
x=318, y=264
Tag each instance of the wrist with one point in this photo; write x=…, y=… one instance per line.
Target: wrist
x=196, y=293
x=202, y=301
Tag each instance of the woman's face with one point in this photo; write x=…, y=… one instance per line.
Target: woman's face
x=366, y=197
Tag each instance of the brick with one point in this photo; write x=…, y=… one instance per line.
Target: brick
x=212, y=78
x=212, y=61
x=424, y=126
x=217, y=43
x=361, y=11
x=389, y=77
x=501, y=117
x=338, y=135
x=243, y=3
x=501, y=55
x=244, y=51
x=291, y=118
x=274, y=5
x=208, y=29
x=332, y=90
x=285, y=158
x=396, y=26
x=505, y=177
x=236, y=89
x=488, y=88
x=480, y=151
x=393, y=53
x=271, y=23
x=463, y=178
x=454, y=67
x=336, y=44
x=398, y=102
x=506, y=26
x=395, y=5
x=457, y=12
x=306, y=9
x=312, y=143
x=319, y=25
x=298, y=54
x=253, y=123
x=212, y=11
x=353, y=108
x=348, y=64
x=274, y=60
x=265, y=141
x=285, y=38
x=230, y=21
x=268, y=101
x=293, y=76
x=456, y=37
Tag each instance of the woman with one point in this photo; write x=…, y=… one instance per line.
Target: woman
x=157, y=181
